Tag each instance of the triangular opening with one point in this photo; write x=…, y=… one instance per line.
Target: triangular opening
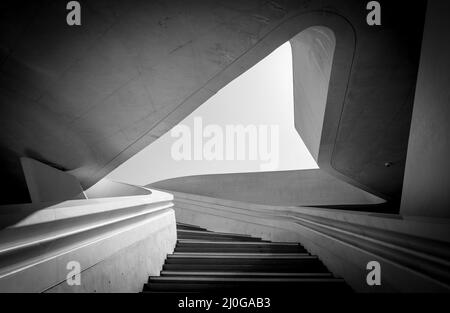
x=261, y=100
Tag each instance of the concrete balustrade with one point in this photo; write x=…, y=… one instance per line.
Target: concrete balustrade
x=118, y=242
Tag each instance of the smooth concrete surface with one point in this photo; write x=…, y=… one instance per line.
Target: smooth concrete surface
x=312, y=51
x=46, y=183
x=288, y=188
x=106, y=188
x=413, y=253
x=37, y=213
x=117, y=241
x=87, y=98
x=427, y=174
x=128, y=269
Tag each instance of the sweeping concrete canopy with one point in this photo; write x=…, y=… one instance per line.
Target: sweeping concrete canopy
x=86, y=98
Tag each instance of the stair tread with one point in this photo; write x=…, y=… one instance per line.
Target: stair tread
x=305, y=286
x=218, y=238
x=190, y=241
x=212, y=235
x=232, y=250
x=243, y=280
x=244, y=261
x=230, y=273
x=186, y=224
x=205, y=260
x=240, y=255
x=185, y=231
x=237, y=247
x=287, y=268
x=190, y=228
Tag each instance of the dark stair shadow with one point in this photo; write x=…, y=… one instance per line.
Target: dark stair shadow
x=211, y=262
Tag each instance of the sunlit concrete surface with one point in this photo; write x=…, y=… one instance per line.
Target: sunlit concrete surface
x=117, y=243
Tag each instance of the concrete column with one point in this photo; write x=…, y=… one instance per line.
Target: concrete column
x=426, y=188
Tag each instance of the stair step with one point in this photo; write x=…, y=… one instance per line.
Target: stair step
x=202, y=232
x=303, y=267
x=184, y=227
x=213, y=236
x=220, y=255
x=186, y=224
x=240, y=250
x=233, y=243
x=222, y=246
x=242, y=274
x=207, y=261
x=217, y=237
x=245, y=280
x=224, y=260
x=306, y=285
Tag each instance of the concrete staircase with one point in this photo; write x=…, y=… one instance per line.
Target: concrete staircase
x=206, y=261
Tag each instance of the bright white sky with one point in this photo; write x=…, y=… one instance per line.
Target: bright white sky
x=261, y=96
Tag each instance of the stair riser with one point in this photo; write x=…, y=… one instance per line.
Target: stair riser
x=239, y=250
x=300, y=288
x=243, y=261
x=303, y=268
x=216, y=238
x=248, y=275
x=190, y=228
x=258, y=242
x=205, y=261
x=207, y=232
x=249, y=243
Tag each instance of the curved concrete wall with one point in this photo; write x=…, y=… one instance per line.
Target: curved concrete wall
x=427, y=174
x=296, y=188
x=312, y=53
x=85, y=99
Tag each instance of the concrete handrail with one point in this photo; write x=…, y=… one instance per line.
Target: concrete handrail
x=68, y=230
